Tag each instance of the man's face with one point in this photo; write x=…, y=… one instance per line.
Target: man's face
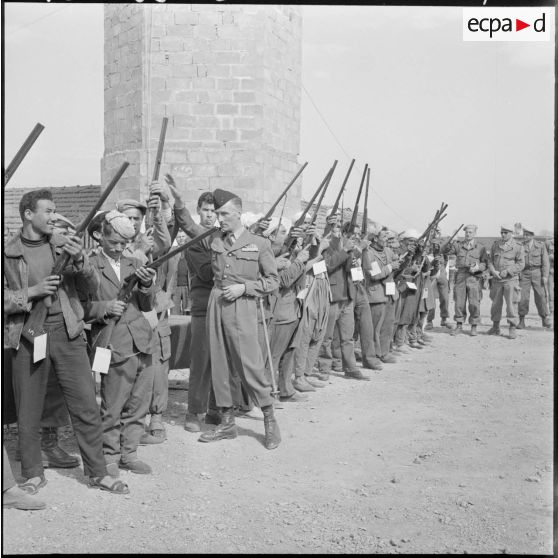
x=42, y=219
x=207, y=214
x=136, y=217
x=229, y=217
x=506, y=235
x=113, y=244
x=280, y=235
x=470, y=233
x=411, y=243
x=336, y=231
x=181, y=238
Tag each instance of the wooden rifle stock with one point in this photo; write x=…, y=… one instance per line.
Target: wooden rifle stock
x=34, y=323
x=157, y=168
x=355, y=210
x=22, y=152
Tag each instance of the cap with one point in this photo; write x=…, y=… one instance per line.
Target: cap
x=474, y=227
x=527, y=232
x=96, y=222
x=62, y=222
x=410, y=233
x=121, y=224
x=221, y=197
x=122, y=205
x=506, y=227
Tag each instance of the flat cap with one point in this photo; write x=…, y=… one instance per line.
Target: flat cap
x=507, y=227
x=96, y=222
x=527, y=232
x=128, y=203
x=221, y=197
x=62, y=222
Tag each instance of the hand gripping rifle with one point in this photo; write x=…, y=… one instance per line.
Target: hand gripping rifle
x=355, y=210
x=364, y=228
x=22, y=153
x=130, y=282
x=157, y=168
x=445, y=246
x=34, y=324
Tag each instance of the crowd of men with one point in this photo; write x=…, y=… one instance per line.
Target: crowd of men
x=275, y=309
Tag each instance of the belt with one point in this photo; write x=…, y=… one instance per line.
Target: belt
x=531, y=267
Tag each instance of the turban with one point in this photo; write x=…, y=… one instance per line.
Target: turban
x=121, y=224
x=410, y=233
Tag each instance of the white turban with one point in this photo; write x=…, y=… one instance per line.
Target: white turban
x=274, y=224
x=121, y=224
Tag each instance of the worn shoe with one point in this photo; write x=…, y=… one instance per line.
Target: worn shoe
x=113, y=470
x=457, y=329
x=116, y=487
x=272, y=434
x=212, y=417
x=426, y=338
x=57, y=458
x=226, y=430
x=313, y=381
x=373, y=364
x=429, y=326
x=33, y=486
x=513, y=334
x=302, y=384
x=495, y=329
x=192, y=423
x=473, y=330
x=147, y=439
x=294, y=398
x=414, y=345
x=422, y=342
x=388, y=359
x=16, y=498
x=521, y=324
x=546, y=322
x=322, y=376
x=156, y=427
x=356, y=375
x=444, y=322
x=136, y=466
x=401, y=350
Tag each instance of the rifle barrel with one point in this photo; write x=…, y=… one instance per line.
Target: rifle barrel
x=160, y=147
x=364, y=227
x=355, y=210
x=336, y=204
x=22, y=152
x=284, y=193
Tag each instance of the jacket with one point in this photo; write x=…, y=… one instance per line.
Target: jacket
x=536, y=257
x=338, y=265
x=510, y=258
x=376, y=284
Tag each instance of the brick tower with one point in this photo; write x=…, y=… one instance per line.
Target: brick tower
x=228, y=77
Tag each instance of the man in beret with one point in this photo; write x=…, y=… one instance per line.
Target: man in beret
x=534, y=274
x=470, y=261
x=506, y=261
x=126, y=388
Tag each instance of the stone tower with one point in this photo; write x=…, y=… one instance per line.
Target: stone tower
x=228, y=77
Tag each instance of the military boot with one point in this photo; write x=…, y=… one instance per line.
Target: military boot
x=473, y=330
x=227, y=428
x=495, y=329
x=513, y=334
x=444, y=322
x=521, y=324
x=52, y=454
x=458, y=328
x=272, y=434
x=546, y=322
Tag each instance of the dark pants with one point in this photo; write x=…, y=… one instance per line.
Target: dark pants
x=551, y=291
x=532, y=278
x=181, y=299
x=160, y=363
x=281, y=337
x=68, y=358
x=8, y=480
x=383, y=318
x=125, y=397
x=342, y=313
x=364, y=327
x=442, y=287
x=55, y=411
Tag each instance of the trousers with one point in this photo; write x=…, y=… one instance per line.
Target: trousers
x=160, y=363
x=441, y=285
x=181, y=299
x=532, y=278
x=383, y=318
x=510, y=291
x=364, y=327
x=467, y=289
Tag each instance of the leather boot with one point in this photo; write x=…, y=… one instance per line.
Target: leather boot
x=52, y=454
x=444, y=322
x=458, y=328
x=495, y=329
x=521, y=324
x=513, y=334
x=272, y=434
x=473, y=330
x=227, y=428
x=546, y=322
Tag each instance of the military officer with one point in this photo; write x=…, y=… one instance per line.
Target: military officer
x=506, y=261
x=534, y=274
x=244, y=268
x=470, y=262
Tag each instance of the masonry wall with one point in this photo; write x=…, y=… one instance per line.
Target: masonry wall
x=228, y=77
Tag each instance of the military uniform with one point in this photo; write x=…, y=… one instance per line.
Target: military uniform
x=535, y=271
x=550, y=249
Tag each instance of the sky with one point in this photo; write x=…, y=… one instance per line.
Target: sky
x=436, y=118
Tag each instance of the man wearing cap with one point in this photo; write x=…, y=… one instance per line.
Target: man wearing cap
x=126, y=388
x=470, y=261
x=550, y=249
x=534, y=274
x=506, y=261
x=28, y=260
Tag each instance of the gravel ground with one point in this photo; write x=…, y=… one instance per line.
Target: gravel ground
x=449, y=451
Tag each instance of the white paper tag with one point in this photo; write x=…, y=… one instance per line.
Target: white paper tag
x=375, y=268
x=302, y=294
x=39, y=347
x=319, y=267
x=151, y=317
x=101, y=362
x=356, y=274
x=411, y=286
x=425, y=292
x=390, y=288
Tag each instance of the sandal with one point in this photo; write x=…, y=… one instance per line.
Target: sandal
x=32, y=487
x=116, y=487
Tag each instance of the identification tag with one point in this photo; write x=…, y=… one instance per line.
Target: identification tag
x=411, y=286
x=101, y=362
x=319, y=267
x=425, y=292
x=390, y=288
x=356, y=274
x=302, y=294
x=375, y=269
x=39, y=347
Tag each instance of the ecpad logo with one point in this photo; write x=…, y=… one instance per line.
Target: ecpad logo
x=508, y=24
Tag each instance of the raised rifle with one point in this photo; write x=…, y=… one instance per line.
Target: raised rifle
x=284, y=193
x=355, y=210
x=22, y=152
x=157, y=168
x=335, y=206
x=34, y=323
x=131, y=281
x=364, y=228
x=448, y=242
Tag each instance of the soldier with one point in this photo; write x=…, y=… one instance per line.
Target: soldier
x=505, y=262
x=243, y=269
x=470, y=261
x=440, y=285
x=550, y=249
x=534, y=274
x=28, y=260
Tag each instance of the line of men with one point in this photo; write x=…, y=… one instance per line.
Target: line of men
x=332, y=298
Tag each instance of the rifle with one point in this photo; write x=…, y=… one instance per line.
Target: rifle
x=448, y=242
x=34, y=324
x=130, y=282
x=284, y=193
x=355, y=210
x=338, y=198
x=364, y=228
x=157, y=168
x=22, y=152
x=290, y=240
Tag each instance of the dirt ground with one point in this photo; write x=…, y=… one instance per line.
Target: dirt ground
x=449, y=451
